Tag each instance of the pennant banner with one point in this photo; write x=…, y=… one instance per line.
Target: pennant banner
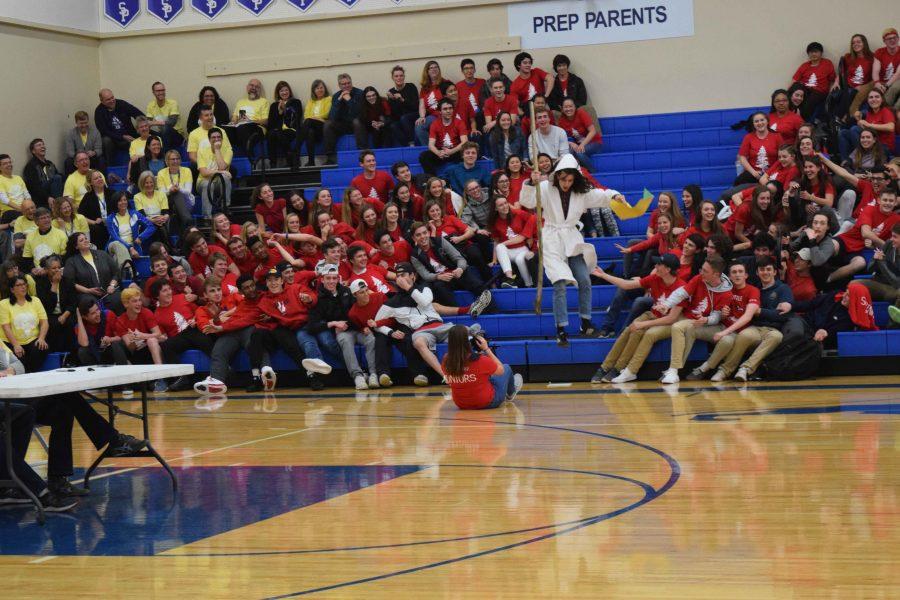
x=209, y=8
x=255, y=6
x=123, y=12
x=165, y=10
x=303, y=5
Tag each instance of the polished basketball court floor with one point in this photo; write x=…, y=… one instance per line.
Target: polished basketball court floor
x=767, y=490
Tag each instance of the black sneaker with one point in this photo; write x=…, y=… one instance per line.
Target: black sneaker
x=180, y=384
x=508, y=283
x=61, y=487
x=610, y=375
x=13, y=496
x=54, y=504
x=125, y=445
x=256, y=385
x=562, y=338
x=315, y=383
x=599, y=374
x=481, y=302
x=605, y=333
x=588, y=329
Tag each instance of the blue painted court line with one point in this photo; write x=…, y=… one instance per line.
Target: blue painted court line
x=868, y=409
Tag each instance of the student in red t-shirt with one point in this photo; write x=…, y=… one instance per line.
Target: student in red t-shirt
x=798, y=276
x=499, y=102
x=390, y=252
x=267, y=256
x=223, y=229
x=758, y=151
x=818, y=77
x=782, y=120
x=175, y=317
x=858, y=63
x=446, y=137
x=270, y=211
x=432, y=88
x=372, y=183
x=137, y=328
x=476, y=377
x=218, y=266
x=512, y=231
x=408, y=203
x=200, y=253
x=530, y=81
x=872, y=230
x=752, y=216
x=353, y=204
x=875, y=116
x=584, y=139
x=886, y=66
x=242, y=257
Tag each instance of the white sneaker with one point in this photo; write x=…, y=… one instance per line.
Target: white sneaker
x=742, y=374
x=316, y=365
x=127, y=393
x=420, y=380
x=360, y=382
x=625, y=376
x=719, y=376
x=670, y=376
x=268, y=376
x=385, y=380
x=210, y=385
x=518, y=382
x=373, y=380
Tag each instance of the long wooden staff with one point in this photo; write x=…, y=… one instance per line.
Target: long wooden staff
x=538, y=213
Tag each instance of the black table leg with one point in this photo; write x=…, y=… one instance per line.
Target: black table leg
x=13, y=477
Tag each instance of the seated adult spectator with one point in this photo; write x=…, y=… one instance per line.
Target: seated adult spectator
x=164, y=115
x=13, y=191
x=495, y=71
x=830, y=313
x=95, y=208
x=23, y=322
x=581, y=129
x=84, y=138
x=214, y=168
x=314, y=115
x=876, y=116
x=530, y=81
x=44, y=182
x=857, y=76
x=886, y=67
x=113, y=118
x=477, y=378
x=549, y=139
x=154, y=204
x=446, y=137
x=884, y=286
x=24, y=224
x=129, y=231
x=270, y=211
x=77, y=183
x=499, y=102
x=93, y=273
x=137, y=148
x=513, y=232
x=344, y=117
x=441, y=266
x=432, y=88
x=457, y=175
x=506, y=141
x=208, y=97
x=758, y=151
x=783, y=119
x=372, y=183
x=403, y=100
x=818, y=77
x=153, y=160
x=58, y=297
x=42, y=241
x=176, y=182
x=199, y=136
x=9, y=270
x=376, y=116
x=564, y=85
x=249, y=118
x=284, y=122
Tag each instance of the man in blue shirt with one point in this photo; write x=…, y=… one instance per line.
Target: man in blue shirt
x=457, y=175
x=345, y=117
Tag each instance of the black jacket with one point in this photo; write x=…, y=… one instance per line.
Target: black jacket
x=105, y=120
x=329, y=307
x=824, y=312
x=346, y=110
x=446, y=254
x=292, y=117
x=574, y=90
x=220, y=111
x=37, y=178
x=67, y=297
x=409, y=104
x=770, y=298
x=90, y=208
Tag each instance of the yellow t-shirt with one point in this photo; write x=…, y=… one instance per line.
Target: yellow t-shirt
x=24, y=320
x=23, y=225
x=256, y=109
x=79, y=224
x=124, y=222
x=12, y=193
x=137, y=146
x=207, y=159
x=38, y=245
x=161, y=113
x=165, y=179
x=317, y=109
x=199, y=138
x=153, y=205
x=76, y=187
x=83, y=137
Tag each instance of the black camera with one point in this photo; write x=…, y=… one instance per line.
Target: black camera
x=473, y=340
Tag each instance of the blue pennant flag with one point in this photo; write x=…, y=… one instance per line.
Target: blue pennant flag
x=165, y=10
x=123, y=12
x=255, y=6
x=209, y=8
x=303, y=5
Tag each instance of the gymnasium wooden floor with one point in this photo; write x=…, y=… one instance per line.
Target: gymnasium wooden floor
x=764, y=491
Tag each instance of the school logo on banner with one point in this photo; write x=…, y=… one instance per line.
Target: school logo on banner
x=349, y=3
x=165, y=10
x=303, y=5
x=255, y=6
x=123, y=12
x=209, y=8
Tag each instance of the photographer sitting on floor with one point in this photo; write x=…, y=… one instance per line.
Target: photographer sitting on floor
x=476, y=377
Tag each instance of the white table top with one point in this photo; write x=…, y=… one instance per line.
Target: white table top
x=77, y=379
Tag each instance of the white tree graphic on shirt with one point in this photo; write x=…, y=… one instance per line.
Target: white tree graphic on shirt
x=281, y=306
x=762, y=159
x=859, y=76
x=180, y=322
x=510, y=234
x=889, y=71
x=773, y=127
x=447, y=142
x=531, y=91
x=473, y=102
x=373, y=193
x=813, y=81
x=431, y=101
x=700, y=309
x=380, y=285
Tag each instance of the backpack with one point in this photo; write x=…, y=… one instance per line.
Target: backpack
x=791, y=362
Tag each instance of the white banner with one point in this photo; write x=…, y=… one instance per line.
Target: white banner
x=585, y=22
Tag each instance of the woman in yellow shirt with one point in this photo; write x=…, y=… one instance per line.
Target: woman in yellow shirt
x=152, y=203
x=177, y=182
x=314, y=116
x=24, y=324
x=67, y=220
x=10, y=270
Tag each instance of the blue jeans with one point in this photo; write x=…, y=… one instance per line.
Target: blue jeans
x=403, y=129
x=504, y=386
x=639, y=307
x=583, y=279
x=589, y=150
x=618, y=303
x=312, y=344
x=848, y=139
x=422, y=130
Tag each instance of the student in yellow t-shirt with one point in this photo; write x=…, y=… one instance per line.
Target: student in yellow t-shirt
x=68, y=221
x=137, y=147
x=12, y=188
x=199, y=137
x=44, y=240
x=251, y=115
x=176, y=182
x=23, y=324
x=24, y=224
x=164, y=115
x=213, y=162
x=314, y=115
x=77, y=185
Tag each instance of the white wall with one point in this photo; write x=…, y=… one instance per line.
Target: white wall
x=82, y=15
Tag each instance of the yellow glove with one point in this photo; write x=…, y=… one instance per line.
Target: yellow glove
x=625, y=211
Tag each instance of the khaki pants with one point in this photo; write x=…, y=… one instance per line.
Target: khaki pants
x=684, y=334
x=862, y=92
x=882, y=291
x=625, y=345
x=764, y=339
x=650, y=337
x=892, y=95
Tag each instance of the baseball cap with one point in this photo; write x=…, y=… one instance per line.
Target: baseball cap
x=404, y=267
x=357, y=285
x=804, y=254
x=888, y=31
x=669, y=260
x=273, y=272
x=284, y=266
x=324, y=268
